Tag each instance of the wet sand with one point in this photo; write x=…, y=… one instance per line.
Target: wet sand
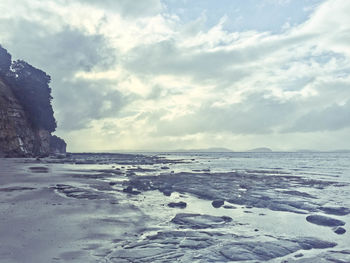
x=116, y=209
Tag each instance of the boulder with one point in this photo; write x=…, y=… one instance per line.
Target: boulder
x=178, y=205
x=324, y=220
x=217, y=203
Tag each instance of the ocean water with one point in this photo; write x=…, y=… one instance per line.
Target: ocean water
x=313, y=164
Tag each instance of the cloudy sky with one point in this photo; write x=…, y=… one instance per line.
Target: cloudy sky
x=181, y=74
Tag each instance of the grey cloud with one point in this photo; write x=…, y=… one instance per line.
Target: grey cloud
x=159, y=92
x=331, y=118
x=128, y=8
x=255, y=115
x=166, y=57
x=62, y=54
x=85, y=102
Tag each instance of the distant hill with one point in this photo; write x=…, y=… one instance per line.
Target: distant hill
x=262, y=149
x=215, y=149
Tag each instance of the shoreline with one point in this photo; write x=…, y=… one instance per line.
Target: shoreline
x=117, y=210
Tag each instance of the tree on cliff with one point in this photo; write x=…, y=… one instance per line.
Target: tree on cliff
x=31, y=86
x=5, y=61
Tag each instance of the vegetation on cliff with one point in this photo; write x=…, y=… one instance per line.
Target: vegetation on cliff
x=26, y=114
x=31, y=87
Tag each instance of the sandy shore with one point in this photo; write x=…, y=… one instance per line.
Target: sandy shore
x=39, y=224
x=137, y=209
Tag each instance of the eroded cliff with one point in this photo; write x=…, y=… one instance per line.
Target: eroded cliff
x=26, y=115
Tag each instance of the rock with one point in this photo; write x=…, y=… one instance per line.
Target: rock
x=339, y=230
x=167, y=191
x=178, y=205
x=217, y=203
x=57, y=145
x=26, y=115
x=198, y=221
x=193, y=244
x=259, y=251
x=39, y=169
x=324, y=220
x=229, y=207
x=339, y=211
x=263, y=251
x=130, y=190
x=309, y=243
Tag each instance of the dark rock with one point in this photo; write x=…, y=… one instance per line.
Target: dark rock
x=178, y=205
x=339, y=211
x=194, y=243
x=226, y=218
x=229, y=207
x=339, y=230
x=260, y=192
x=15, y=188
x=79, y=193
x=259, y=251
x=324, y=220
x=309, y=243
x=130, y=190
x=198, y=221
x=263, y=251
x=298, y=193
x=57, y=145
x=167, y=192
x=217, y=203
x=342, y=256
x=39, y=169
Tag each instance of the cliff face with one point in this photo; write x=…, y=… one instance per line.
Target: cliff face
x=19, y=135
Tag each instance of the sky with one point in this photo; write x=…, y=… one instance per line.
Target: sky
x=190, y=74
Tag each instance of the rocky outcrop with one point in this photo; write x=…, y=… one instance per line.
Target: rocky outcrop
x=19, y=135
x=57, y=145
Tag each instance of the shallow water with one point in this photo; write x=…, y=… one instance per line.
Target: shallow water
x=267, y=195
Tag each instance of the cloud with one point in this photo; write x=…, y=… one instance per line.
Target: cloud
x=128, y=8
x=253, y=115
x=85, y=103
x=62, y=54
x=334, y=117
x=144, y=74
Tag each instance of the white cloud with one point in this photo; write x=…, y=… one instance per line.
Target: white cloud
x=139, y=77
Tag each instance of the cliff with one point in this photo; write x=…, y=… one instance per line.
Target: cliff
x=26, y=115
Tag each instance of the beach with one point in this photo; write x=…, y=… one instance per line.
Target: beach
x=175, y=208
